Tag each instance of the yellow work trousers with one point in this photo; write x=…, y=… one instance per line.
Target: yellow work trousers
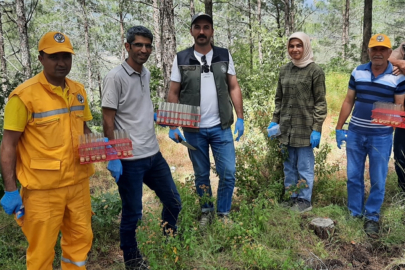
x=47, y=212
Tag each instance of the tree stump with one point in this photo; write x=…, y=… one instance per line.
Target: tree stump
x=323, y=227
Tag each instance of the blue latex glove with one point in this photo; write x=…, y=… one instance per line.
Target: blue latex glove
x=172, y=136
x=20, y=212
x=239, y=128
x=11, y=202
x=272, y=124
x=155, y=119
x=115, y=168
x=109, y=146
x=341, y=136
x=315, y=138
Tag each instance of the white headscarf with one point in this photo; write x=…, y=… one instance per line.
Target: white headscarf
x=308, y=55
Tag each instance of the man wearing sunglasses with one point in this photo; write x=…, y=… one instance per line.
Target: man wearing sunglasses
x=204, y=75
x=127, y=105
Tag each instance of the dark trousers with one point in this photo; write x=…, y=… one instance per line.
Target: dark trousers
x=399, y=156
x=155, y=173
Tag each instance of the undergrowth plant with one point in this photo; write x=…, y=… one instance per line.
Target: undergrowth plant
x=105, y=224
x=249, y=241
x=259, y=169
x=323, y=169
x=173, y=250
x=12, y=243
x=106, y=208
x=295, y=189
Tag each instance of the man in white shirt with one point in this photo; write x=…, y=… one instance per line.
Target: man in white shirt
x=204, y=75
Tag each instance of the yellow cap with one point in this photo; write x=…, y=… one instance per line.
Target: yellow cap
x=55, y=42
x=379, y=40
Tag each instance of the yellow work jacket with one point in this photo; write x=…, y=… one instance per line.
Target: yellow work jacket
x=47, y=152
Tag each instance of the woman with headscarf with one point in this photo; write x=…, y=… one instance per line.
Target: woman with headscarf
x=300, y=109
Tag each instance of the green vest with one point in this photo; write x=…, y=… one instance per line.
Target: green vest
x=190, y=85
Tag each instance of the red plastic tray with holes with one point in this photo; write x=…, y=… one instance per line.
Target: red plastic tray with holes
x=386, y=117
x=180, y=119
x=103, y=151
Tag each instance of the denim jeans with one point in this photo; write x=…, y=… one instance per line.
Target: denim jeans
x=221, y=141
x=155, y=173
x=378, y=150
x=300, y=165
x=399, y=155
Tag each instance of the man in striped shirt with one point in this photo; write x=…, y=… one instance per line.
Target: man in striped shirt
x=369, y=83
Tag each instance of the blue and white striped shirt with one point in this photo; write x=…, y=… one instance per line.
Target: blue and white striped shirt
x=370, y=89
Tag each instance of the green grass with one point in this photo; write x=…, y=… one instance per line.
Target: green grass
x=12, y=244
x=336, y=89
x=263, y=236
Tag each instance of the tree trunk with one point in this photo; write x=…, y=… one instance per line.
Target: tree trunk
x=100, y=83
x=3, y=67
x=287, y=17
x=24, y=46
x=228, y=28
x=192, y=8
x=208, y=10
x=345, y=34
x=89, y=64
x=88, y=52
x=367, y=25
x=278, y=20
x=122, y=32
x=323, y=227
x=168, y=42
x=157, y=36
x=157, y=40
x=259, y=20
x=208, y=7
x=250, y=36
x=292, y=16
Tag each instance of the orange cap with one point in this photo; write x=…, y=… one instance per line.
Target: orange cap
x=379, y=40
x=54, y=42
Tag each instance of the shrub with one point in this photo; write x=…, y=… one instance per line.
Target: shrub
x=259, y=159
x=259, y=169
x=107, y=208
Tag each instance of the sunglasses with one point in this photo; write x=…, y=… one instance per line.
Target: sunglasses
x=205, y=68
x=140, y=45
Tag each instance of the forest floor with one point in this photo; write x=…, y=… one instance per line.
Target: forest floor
x=266, y=237
x=367, y=254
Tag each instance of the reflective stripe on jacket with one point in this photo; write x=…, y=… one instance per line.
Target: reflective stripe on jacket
x=47, y=152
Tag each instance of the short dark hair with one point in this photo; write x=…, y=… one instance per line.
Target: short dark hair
x=41, y=53
x=138, y=31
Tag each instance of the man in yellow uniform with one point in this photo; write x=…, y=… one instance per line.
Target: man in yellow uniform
x=42, y=122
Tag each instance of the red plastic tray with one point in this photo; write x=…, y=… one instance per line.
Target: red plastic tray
x=170, y=118
x=103, y=151
x=388, y=117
